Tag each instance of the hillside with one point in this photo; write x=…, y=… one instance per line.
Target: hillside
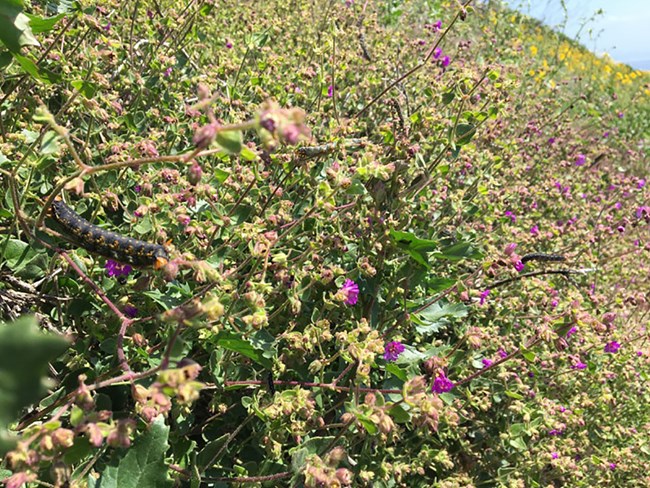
x=336, y=243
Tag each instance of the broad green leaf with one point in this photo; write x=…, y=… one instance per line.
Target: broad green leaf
x=86, y=88
x=460, y=250
x=464, y=133
x=5, y=59
x=518, y=443
x=50, y=143
x=230, y=140
x=221, y=175
x=236, y=343
x=143, y=464
x=43, y=75
x=396, y=371
x=40, y=24
x=248, y=155
x=208, y=453
x=25, y=352
x=437, y=315
x=399, y=415
x=15, y=31
x=25, y=261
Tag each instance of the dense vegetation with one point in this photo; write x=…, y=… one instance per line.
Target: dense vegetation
x=405, y=244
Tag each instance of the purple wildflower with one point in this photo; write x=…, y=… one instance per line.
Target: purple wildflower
x=612, y=466
x=512, y=216
x=612, y=347
x=502, y=353
x=115, y=269
x=437, y=25
x=581, y=159
x=228, y=45
x=579, y=365
x=519, y=266
x=137, y=188
x=620, y=115
x=437, y=52
x=392, y=350
x=640, y=184
x=330, y=91
x=572, y=331
x=441, y=384
x=445, y=61
x=534, y=230
x=351, y=289
x=554, y=455
x=107, y=27
x=487, y=362
x=130, y=311
x=551, y=140
x=483, y=296
x=167, y=72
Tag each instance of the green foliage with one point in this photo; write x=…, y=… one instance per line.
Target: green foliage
x=24, y=354
x=344, y=211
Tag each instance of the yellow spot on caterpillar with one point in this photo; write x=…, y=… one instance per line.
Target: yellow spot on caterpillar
x=160, y=262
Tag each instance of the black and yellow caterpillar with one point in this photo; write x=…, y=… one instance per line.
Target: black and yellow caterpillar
x=538, y=256
x=106, y=243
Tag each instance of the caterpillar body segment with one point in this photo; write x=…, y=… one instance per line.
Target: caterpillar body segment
x=107, y=243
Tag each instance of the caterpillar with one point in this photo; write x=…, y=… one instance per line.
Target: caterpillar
x=538, y=256
x=106, y=243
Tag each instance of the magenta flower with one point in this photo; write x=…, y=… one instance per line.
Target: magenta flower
x=442, y=384
x=579, y=365
x=330, y=91
x=581, y=159
x=612, y=347
x=483, y=296
x=502, y=353
x=115, y=269
x=534, y=230
x=640, y=184
x=167, y=72
x=612, y=466
x=437, y=25
x=228, y=45
x=130, y=311
x=445, y=61
x=437, y=52
x=487, y=362
x=554, y=455
x=392, y=350
x=351, y=289
x=519, y=266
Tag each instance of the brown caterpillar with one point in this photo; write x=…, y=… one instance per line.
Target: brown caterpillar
x=538, y=256
x=106, y=243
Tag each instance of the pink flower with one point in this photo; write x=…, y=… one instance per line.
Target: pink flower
x=330, y=91
x=612, y=347
x=392, y=350
x=351, y=289
x=483, y=296
x=581, y=159
x=441, y=384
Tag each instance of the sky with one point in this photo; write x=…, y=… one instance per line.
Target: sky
x=622, y=30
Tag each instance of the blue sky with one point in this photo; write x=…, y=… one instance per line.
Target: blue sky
x=622, y=30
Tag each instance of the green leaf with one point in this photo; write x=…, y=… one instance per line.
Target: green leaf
x=143, y=465
x=518, y=443
x=464, y=133
x=221, y=175
x=206, y=457
x=25, y=352
x=25, y=261
x=437, y=315
x=15, y=31
x=230, y=140
x=5, y=59
x=461, y=250
x=43, y=75
x=248, y=155
x=514, y=395
x=40, y=24
x=399, y=415
x=396, y=371
x=86, y=88
x=236, y=343
x=50, y=143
